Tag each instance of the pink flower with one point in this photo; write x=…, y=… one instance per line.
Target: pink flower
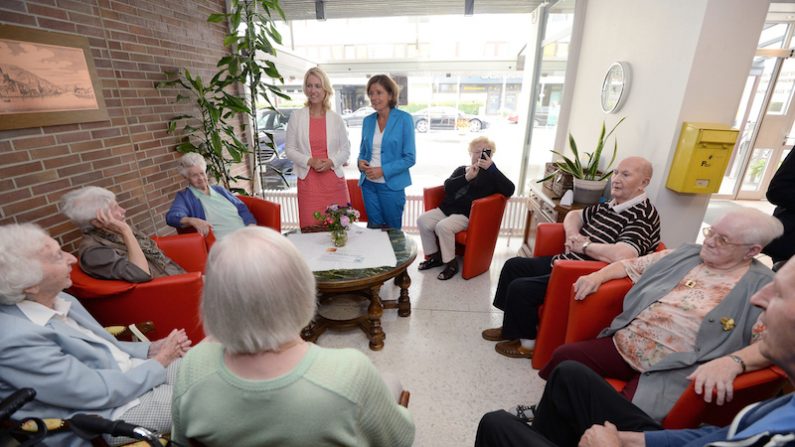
x=345, y=221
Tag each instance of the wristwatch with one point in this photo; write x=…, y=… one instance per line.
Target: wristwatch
x=585, y=245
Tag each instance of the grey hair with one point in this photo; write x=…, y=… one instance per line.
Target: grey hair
x=480, y=142
x=19, y=244
x=258, y=291
x=190, y=160
x=81, y=205
x=757, y=227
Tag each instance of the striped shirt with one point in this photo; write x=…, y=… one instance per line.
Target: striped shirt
x=637, y=226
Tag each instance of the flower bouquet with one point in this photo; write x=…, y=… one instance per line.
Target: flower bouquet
x=338, y=219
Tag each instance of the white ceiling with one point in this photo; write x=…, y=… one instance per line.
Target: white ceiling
x=340, y=9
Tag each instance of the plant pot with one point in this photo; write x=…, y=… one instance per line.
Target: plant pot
x=588, y=192
x=339, y=237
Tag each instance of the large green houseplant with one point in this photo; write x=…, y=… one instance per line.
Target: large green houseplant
x=210, y=131
x=589, y=179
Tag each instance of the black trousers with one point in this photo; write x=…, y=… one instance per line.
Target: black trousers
x=520, y=292
x=574, y=399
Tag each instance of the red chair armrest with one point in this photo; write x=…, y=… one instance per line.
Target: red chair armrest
x=170, y=302
x=432, y=197
x=188, y=250
x=87, y=287
x=555, y=314
x=266, y=213
x=588, y=317
x=480, y=238
x=550, y=238
x=690, y=410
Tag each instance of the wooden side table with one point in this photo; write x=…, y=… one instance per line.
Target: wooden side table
x=540, y=209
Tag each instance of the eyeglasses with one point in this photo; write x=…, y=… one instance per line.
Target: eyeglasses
x=720, y=239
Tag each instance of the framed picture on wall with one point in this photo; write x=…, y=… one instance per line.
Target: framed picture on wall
x=47, y=78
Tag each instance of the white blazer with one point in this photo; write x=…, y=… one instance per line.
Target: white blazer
x=297, y=147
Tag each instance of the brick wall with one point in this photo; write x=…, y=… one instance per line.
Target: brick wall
x=132, y=42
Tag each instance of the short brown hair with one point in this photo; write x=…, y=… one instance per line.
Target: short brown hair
x=388, y=84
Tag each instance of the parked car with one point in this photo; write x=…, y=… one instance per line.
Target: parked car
x=274, y=122
x=354, y=119
x=441, y=117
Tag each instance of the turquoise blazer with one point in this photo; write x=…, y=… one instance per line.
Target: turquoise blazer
x=397, y=147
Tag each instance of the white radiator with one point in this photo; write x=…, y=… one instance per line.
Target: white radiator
x=513, y=220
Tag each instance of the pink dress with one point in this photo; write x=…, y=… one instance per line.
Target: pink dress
x=319, y=189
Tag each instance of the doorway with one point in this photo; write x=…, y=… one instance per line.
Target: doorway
x=766, y=116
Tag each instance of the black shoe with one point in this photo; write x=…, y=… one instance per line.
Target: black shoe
x=449, y=271
x=434, y=261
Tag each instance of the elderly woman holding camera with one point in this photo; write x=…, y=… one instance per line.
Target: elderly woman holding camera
x=465, y=185
x=111, y=248
x=254, y=381
x=206, y=207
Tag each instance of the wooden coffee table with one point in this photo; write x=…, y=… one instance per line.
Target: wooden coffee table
x=365, y=284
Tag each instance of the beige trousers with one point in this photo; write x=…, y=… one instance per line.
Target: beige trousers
x=433, y=224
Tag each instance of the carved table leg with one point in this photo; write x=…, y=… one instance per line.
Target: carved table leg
x=374, y=312
x=404, y=302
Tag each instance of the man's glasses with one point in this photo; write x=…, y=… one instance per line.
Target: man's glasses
x=720, y=239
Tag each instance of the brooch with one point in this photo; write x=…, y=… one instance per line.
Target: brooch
x=727, y=323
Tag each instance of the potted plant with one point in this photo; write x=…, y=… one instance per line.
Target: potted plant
x=211, y=132
x=589, y=180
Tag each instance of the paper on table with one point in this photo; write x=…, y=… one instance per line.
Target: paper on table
x=366, y=248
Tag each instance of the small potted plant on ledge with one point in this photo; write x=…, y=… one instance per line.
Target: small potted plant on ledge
x=589, y=180
x=337, y=219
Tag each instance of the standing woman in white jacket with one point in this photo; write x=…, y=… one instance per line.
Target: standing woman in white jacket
x=318, y=145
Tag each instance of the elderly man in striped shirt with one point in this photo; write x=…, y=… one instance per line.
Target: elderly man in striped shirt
x=626, y=227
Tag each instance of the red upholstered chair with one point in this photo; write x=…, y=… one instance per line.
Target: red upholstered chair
x=588, y=317
x=477, y=242
x=170, y=302
x=266, y=213
x=553, y=315
x=357, y=201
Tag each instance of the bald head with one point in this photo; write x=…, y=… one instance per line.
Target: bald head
x=630, y=178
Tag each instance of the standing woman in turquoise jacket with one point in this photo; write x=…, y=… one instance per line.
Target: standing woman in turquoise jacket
x=385, y=155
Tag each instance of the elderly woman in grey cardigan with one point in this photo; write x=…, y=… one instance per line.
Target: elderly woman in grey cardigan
x=688, y=306
x=111, y=248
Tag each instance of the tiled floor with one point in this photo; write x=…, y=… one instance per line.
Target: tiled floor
x=453, y=374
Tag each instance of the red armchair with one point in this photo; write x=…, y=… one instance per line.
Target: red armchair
x=357, y=201
x=266, y=213
x=170, y=302
x=477, y=242
x=553, y=315
x=588, y=317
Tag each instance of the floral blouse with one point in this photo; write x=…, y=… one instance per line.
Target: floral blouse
x=671, y=324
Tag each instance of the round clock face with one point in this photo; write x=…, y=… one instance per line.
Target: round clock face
x=615, y=87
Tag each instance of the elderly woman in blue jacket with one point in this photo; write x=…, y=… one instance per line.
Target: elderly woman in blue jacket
x=204, y=207
x=385, y=155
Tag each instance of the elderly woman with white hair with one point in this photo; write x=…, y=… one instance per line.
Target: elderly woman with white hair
x=203, y=206
x=254, y=381
x=466, y=184
x=110, y=247
x=50, y=343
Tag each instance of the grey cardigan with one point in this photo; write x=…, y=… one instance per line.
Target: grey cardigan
x=660, y=386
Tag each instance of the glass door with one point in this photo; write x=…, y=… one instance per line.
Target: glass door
x=765, y=117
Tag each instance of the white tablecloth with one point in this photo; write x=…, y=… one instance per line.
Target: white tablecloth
x=366, y=248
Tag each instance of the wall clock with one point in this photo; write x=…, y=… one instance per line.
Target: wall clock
x=615, y=87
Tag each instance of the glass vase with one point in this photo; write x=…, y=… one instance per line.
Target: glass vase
x=339, y=237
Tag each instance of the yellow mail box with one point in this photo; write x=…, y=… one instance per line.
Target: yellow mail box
x=703, y=152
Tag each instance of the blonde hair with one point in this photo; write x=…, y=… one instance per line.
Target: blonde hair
x=324, y=82
x=479, y=142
